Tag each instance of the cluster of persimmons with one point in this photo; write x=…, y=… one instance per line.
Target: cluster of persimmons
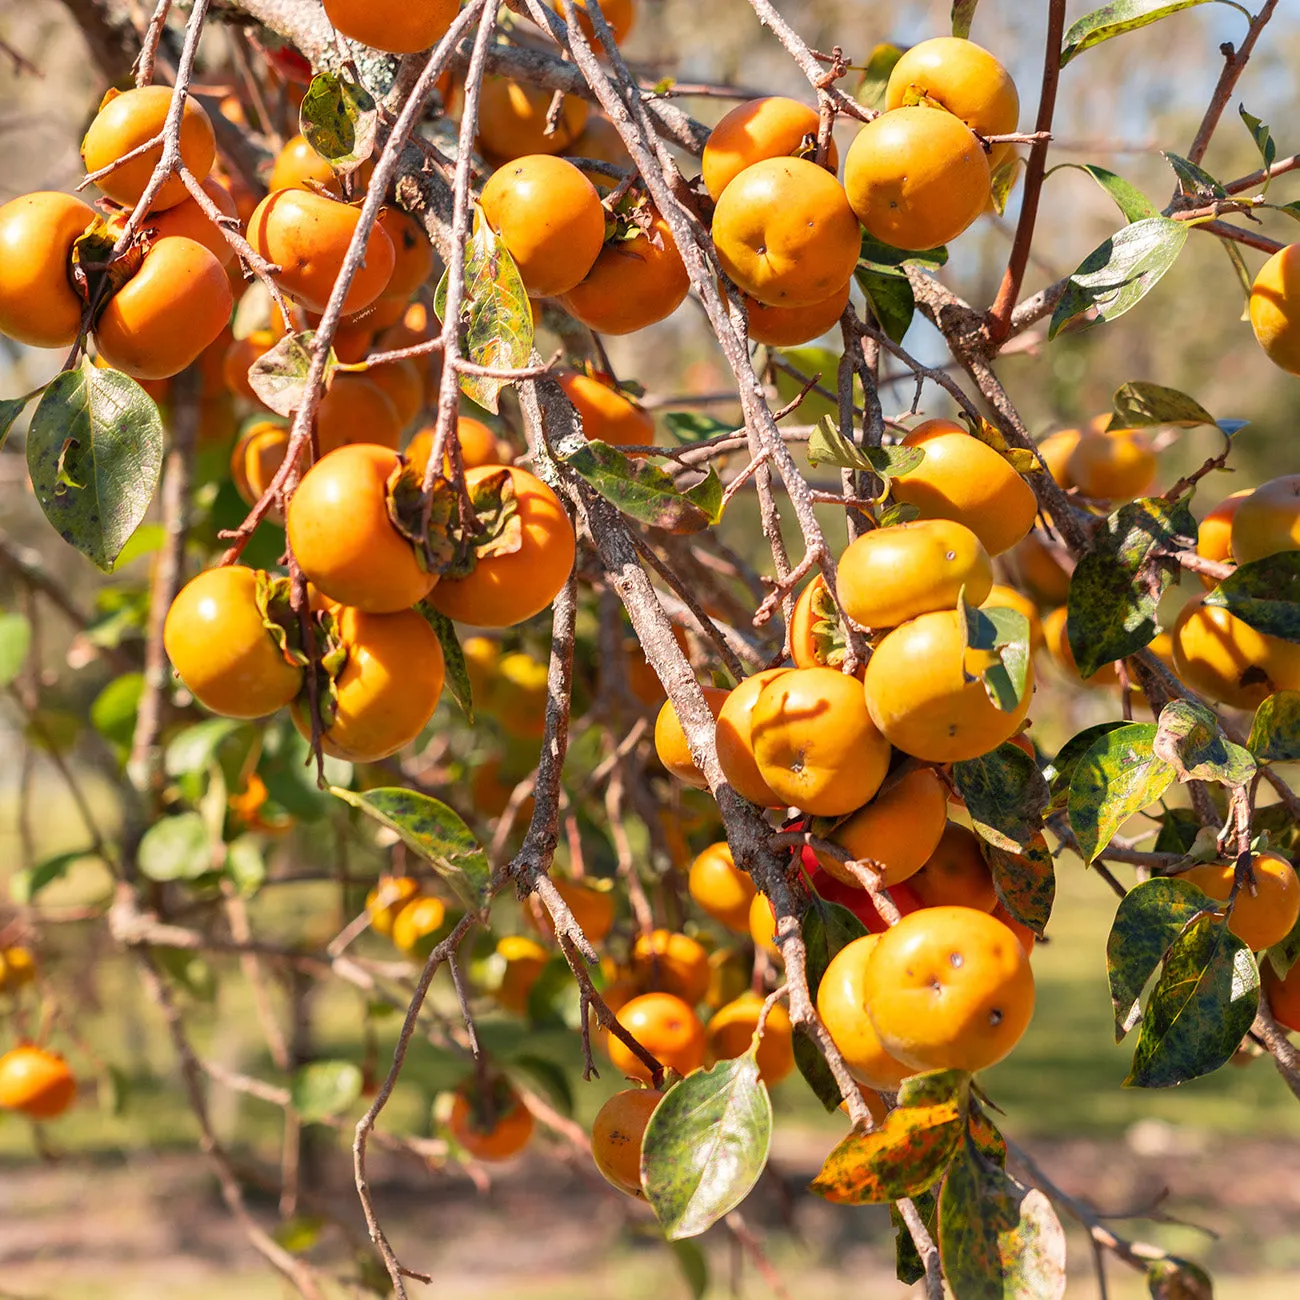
x=859, y=759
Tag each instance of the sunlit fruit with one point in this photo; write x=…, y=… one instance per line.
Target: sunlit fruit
x=721, y=888
x=1261, y=916
x=38, y=305
x=730, y=1031
x=492, y=1126
x=617, y=1134
x=35, y=1082
x=949, y=988
x=1268, y=520
x=398, y=26
x=735, y=742
x=1274, y=296
x=666, y=1027
x=670, y=739
x=773, y=127
x=1114, y=465
x=1226, y=659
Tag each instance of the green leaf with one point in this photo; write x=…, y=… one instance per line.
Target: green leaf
x=1005, y=631
x=24, y=885
x=934, y=1087
x=1131, y=202
x=1118, y=776
x=1115, y=19
x=193, y=749
x=904, y=1156
x=299, y=1234
x=495, y=313
x=1118, y=583
x=245, y=865
x=190, y=970
x=890, y=299
x=1195, y=182
x=1262, y=137
x=324, y=1089
x=1060, y=770
x=639, y=489
x=338, y=116
x=1191, y=741
x=875, y=76
x=1275, y=732
x=908, y=1265
x=114, y=709
x=827, y=927
x=999, y=1240
x=816, y=1073
x=827, y=445
x=1148, y=920
x=1139, y=405
x=1179, y=828
x=1120, y=272
x=694, y=1267
x=94, y=453
x=705, y=1146
x=435, y=832
x=876, y=255
x=1200, y=1009
x=1003, y=181
x=453, y=656
x=10, y=409
x=963, y=11
x=15, y=641
x=691, y=426
x=1005, y=794
x=1265, y=594
x=176, y=848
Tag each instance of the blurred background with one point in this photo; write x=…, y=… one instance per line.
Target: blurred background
x=113, y=1201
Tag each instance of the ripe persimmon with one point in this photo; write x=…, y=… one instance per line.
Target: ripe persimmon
x=815, y=743
x=900, y=828
x=670, y=962
x=417, y=923
x=916, y=177
x=509, y=588
x=1112, y=464
x=842, y=1005
x=239, y=357
x=404, y=384
x=1260, y=918
x=617, y=1134
x=549, y=216
x=256, y=457
x=38, y=305
x=735, y=742
x=923, y=692
x=512, y=119
x=1226, y=659
x=524, y=960
x=165, y=315
x=307, y=236
x=964, y=479
x=479, y=445
x=128, y=119
x=341, y=533
x=730, y=1030
x=889, y=575
x=607, y=413
x=670, y=740
x=388, y=688
x=354, y=410
x=965, y=79
x=772, y=127
x=619, y=14
x=217, y=640
x=634, y=283
x=955, y=874
x=787, y=327
x=666, y=1027
x=387, y=899
x=494, y=1129
x=1214, y=536
x=1274, y=317
x=1283, y=994
x=412, y=252
x=396, y=26
x=721, y=888
x=35, y=1082
x=949, y=988
x=784, y=232
x=1268, y=520
x=187, y=218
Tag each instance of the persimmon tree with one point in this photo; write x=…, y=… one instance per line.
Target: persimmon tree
x=626, y=759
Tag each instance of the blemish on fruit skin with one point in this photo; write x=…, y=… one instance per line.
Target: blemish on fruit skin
x=956, y=959
x=995, y=1017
